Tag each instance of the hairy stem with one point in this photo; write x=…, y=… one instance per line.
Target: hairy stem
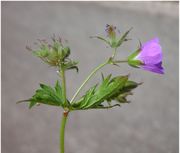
x=87, y=79
x=62, y=131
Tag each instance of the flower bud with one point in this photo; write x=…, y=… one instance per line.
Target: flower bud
x=148, y=57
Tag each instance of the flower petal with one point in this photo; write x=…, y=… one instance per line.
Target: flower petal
x=154, y=68
x=154, y=40
x=149, y=56
x=151, y=52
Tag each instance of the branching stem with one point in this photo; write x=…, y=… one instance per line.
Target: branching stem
x=65, y=113
x=87, y=79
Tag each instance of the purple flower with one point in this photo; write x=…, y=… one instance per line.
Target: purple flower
x=148, y=57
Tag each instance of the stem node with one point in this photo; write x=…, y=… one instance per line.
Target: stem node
x=65, y=113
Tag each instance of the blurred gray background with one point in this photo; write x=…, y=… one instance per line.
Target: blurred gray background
x=148, y=125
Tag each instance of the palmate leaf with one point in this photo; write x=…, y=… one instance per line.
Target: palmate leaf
x=108, y=90
x=46, y=95
x=120, y=95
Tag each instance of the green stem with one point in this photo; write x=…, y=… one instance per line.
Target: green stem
x=63, y=85
x=87, y=79
x=62, y=131
x=114, y=53
x=121, y=61
x=65, y=114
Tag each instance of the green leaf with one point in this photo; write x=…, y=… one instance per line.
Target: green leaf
x=46, y=95
x=88, y=97
x=121, y=95
x=98, y=94
x=58, y=90
x=117, y=88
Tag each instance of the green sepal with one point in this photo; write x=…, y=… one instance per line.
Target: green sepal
x=103, y=39
x=57, y=46
x=113, y=43
x=65, y=52
x=123, y=38
x=135, y=63
x=71, y=65
x=41, y=53
x=132, y=61
x=133, y=55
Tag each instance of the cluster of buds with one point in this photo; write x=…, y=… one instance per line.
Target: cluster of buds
x=113, y=40
x=54, y=54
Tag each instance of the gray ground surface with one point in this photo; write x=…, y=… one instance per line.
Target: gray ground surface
x=148, y=125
